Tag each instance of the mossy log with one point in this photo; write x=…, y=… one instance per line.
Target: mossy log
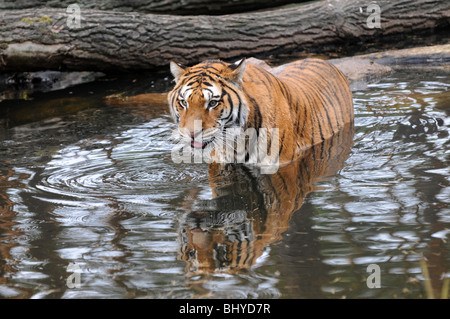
x=109, y=41
x=185, y=7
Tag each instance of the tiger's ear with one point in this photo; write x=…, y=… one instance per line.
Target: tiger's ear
x=237, y=70
x=176, y=70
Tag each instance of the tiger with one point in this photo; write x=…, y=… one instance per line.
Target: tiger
x=310, y=104
x=306, y=101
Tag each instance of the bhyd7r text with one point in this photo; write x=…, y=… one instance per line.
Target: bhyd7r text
x=246, y=308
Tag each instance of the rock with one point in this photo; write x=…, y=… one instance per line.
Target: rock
x=361, y=69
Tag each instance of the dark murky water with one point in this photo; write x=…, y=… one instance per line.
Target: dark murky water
x=92, y=185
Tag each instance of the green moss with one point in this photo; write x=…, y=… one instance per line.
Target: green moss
x=45, y=19
x=28, y=20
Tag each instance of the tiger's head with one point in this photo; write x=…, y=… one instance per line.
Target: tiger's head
x=207, y=99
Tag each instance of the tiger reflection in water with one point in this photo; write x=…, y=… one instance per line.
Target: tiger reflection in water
x=250, y=210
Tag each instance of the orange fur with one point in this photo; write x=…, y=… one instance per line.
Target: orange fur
x=308, y=101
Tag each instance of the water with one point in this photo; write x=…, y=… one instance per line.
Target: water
x=92, y=185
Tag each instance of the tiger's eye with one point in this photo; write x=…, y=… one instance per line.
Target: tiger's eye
x=183, y=103
x=213, y=103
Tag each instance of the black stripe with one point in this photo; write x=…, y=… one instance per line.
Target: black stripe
x=281, y=142
x=315, y=109
x=238, y=249
x=310, y=105
x=305, y=109
x=313, y=153
x=283, y=181
x=209, y=77
x=268, y=79
x=191, y=83
x=172, y=105
x=321, y=97
x=334, y=92
x=224, y=92
x=209, y=90
x=257, y=116
x=327, y=89
x=229, y=115
x=269, y=76
x=231, y=108
x=174, y=96
x=225, y=87
x=322, y=149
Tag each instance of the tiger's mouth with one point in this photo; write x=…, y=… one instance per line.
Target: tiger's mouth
x=202, y=144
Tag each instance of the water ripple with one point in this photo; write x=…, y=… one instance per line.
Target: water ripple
x=135, y=162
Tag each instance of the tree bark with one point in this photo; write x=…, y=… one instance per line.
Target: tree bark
x=111, y=41
x=186, y=7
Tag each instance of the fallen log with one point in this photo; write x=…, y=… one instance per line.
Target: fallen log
x=111, y=41
x=367, y=66
x=186, y=7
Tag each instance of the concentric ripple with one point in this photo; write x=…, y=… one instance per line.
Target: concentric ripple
x=135, y=162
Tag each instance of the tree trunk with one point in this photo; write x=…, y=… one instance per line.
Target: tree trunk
x=117, y=41
x=186, y=7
